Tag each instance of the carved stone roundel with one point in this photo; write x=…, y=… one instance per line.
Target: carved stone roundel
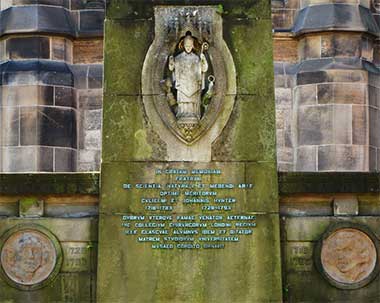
x=28, y=257
x=348, y=256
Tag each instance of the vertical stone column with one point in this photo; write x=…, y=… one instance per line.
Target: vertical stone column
x=37, y=105
x=50, y=100
x=144, y=153
x=332, y=92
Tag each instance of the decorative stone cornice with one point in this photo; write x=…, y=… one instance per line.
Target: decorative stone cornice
x=335, y=17
x=52, y=20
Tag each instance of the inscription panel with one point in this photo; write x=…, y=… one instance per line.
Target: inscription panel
x=205, y=192
x=77, y=257
x=299, y=256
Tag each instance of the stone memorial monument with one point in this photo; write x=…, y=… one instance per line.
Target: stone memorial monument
x=189, y=201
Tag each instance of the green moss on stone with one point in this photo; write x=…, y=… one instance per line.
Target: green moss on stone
x=250, y=42
x=126, y=43
x=77, y=183
x=329, y=182
x=253, y=134
x=246, y=271
x=124, y=133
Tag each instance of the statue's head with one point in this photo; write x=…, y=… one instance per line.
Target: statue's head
x=188, y=44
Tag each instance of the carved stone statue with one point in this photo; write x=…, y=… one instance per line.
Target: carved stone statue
x=188, y=75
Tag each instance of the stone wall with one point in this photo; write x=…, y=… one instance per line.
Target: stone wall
x=51, y=88
x=314, y=206
x=61, y=208
x=326, y=77
x=327, y=85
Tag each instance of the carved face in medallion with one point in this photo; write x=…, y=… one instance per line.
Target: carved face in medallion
x=348, y=255
x=28, y=257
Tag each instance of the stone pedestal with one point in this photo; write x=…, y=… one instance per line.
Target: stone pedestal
x=188, y=218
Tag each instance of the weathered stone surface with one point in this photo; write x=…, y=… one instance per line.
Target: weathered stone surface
x=333, y=182
x=359, y=125
x=285, y=50
x=260, y=198
x=31, y=207
x=315, y=125
x=123, y=73
x=283, y=98
x=342, y=93
x=88, y=51
x=127, y=110
x=133, y=149
x=342, y=157
x=83, y=229
x=346, y=206
x=374, y=118
x=342, y=124
x=67, y=287
x=306, y=158
x=257, y=114
x=305, y=95
x=253, y=61
x=18, y=184
x=310, y=47
x=143, y=9
x=283, y=18
x=52, y=19
x=337, y=16
x=155, y=269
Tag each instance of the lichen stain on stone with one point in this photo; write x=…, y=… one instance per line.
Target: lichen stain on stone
x=143, y=149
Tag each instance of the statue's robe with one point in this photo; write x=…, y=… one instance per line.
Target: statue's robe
x=189, y=72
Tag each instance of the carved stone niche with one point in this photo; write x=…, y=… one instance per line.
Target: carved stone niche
x=347, y=255
x=188, y=80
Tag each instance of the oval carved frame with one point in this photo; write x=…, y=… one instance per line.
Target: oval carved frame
x=167, y=35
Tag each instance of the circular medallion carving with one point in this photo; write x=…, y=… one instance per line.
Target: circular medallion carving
x=30, y=257
x=347, y=256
